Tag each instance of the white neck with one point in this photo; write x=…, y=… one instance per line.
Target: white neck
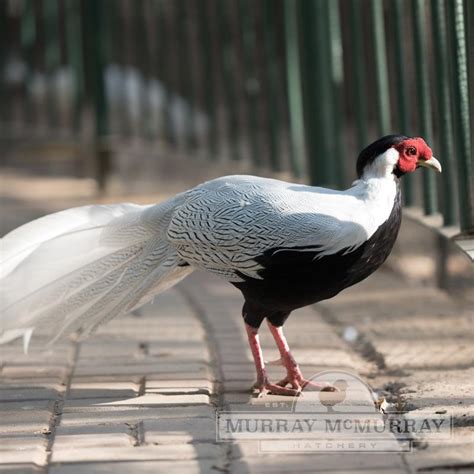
x=377, y=189
x=382, y=166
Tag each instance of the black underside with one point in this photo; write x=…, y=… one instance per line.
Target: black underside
x=295, y=278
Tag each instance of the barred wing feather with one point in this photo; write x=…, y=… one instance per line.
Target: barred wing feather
x=226, y=224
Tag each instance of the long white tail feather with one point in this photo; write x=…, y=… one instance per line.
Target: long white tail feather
x=21, y=242
x=81, y=267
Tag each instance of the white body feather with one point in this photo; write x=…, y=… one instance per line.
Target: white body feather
x=78, y=268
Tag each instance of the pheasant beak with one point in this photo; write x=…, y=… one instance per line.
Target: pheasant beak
x=432, y=163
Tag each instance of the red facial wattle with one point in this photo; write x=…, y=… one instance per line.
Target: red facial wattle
x=412, y=151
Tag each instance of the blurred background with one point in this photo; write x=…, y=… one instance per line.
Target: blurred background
x=136, y=99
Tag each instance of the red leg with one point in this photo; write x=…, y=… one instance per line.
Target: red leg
x=294, y=376
x=262, y=384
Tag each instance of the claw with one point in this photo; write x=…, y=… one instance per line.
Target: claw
x=303, y=384
x=295, y=383
x=266, y=387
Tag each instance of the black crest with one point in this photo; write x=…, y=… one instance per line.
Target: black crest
x=369, y=153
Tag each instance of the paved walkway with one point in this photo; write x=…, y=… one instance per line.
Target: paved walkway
x=141, y=394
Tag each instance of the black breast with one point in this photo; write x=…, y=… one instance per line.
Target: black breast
x=294, y=278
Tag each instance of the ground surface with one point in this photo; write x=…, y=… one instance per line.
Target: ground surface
x=142, y=393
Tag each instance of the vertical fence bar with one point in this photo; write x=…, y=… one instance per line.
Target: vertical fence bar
x=141, y=49
x=98, y=63
x=438, y=15
x=185, y=71
x=3, y=56
x=271, y=70
x=423, y=92
x=317, y=87
x=337, y=84
x=358, y=64
x=52, y=56
x=251, y=83
x=115, y=48
x=469, y=7
x=75, y=59
x=283, y=102
x=62, y=34
x=115, y=76
x=14, y=83
x=124, y=9
x=381, y=69
x=40, y=73
x=321, y=51
x=65, y=102
x=295, y=98
x=94, y=54
x=208, y=79
x=227, y=74
x=461, y=113
x=28, y=37
x=163, y=65
x=402, y=89
x=313, y=109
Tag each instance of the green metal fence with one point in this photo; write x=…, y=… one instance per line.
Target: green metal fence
x=297, y=85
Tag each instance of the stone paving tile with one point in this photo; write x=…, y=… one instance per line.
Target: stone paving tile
x=23, y=449
x=28, y=393
x=143, y=368
x=178, y=386
x=89, y=434
x=138, y=377
x=26, y=416
x=21, y=442
x=268, y=467
x=90, y=440
x=146, y=359
x=120, y=390
x=294, y=463
x=198, y=466
x=173, y=452
x=153, y=332
x=28, y=456
x=33, y=371
x=179, y=431
x=115, y=414
x=15, y=383
x=37, y=350
x=107, y=346
x=189, y=352
x=20, y=468
x=165, y=398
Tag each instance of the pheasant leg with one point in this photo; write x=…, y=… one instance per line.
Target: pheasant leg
x=263, y=385
x=294, y=377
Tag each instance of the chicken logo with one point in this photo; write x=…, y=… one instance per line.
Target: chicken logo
x=330, y=399
x=352, y=395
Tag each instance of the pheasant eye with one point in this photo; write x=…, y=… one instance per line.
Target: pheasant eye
x=411, y=151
